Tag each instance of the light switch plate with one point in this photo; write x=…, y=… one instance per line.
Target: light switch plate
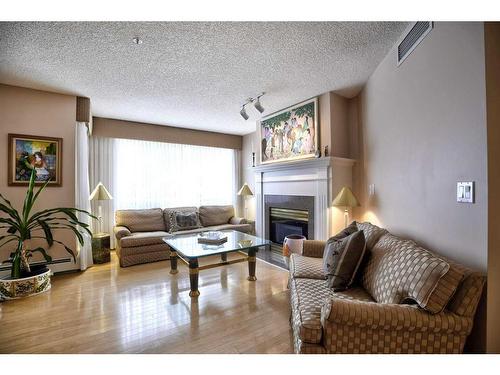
x=371, y=189
x=465, y=192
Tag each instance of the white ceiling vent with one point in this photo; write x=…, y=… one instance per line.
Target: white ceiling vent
x=413, y=38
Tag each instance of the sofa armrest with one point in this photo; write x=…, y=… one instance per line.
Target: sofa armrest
x=313, y=248
x=121, y=232
x=391, y=317
x=237, y=220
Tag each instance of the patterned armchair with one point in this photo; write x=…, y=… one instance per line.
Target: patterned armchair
x=359, y=320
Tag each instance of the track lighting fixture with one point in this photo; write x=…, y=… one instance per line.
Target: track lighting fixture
x=256, y=104
x=243, y=111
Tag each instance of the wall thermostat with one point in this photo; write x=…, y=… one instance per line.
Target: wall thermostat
x=465, y=192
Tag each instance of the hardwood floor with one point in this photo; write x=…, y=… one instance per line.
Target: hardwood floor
x=144, y=309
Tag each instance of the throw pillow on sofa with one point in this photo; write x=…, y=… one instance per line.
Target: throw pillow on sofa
x=399, y=270
x=183, y=221
x=352, y=228
x=342, y=258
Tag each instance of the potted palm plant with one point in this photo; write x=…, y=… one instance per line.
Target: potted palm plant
x=22, y=227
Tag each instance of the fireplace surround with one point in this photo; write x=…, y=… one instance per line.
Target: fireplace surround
x=303, y=185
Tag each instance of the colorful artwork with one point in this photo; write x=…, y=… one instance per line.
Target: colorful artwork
x=290, y=134
x=42, y=154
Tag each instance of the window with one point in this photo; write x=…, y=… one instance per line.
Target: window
x=158, y=174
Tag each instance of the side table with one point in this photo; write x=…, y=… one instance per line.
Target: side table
x=100, y=248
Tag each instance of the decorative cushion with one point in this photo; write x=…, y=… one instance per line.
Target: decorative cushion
x=398, y=270
x=215, y=215
x=167, y=211
x=179, y=220
x=342, y=259
x=372, y=233
x=141, y=220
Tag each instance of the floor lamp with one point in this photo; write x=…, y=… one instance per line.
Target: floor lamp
x=100, y=194
x=245, y=192
x=345, y=199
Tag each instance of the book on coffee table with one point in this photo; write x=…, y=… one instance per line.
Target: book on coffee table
x=212, y=238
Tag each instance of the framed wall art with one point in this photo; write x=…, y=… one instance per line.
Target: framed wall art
x=28, y=152
x=290, y=134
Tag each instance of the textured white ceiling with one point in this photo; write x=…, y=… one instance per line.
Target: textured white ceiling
x=193, y=74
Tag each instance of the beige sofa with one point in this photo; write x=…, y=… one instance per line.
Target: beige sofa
x=139, y=233
x=355, y=321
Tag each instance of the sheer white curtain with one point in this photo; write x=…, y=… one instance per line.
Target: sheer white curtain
x=82, y=190
x=102, y=169
x=144, y=174
x=158, y=174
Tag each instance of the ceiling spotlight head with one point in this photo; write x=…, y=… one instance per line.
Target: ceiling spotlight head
x=137, y=40
x=257, y=105
x=243, y=112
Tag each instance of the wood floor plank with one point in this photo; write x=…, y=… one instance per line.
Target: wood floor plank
x=144, y=309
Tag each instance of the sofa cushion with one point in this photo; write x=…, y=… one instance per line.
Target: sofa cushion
x=398, y=270
x=342, y=259
x=307, y=298
x=372, y=233
x=167, y=211
x=306, y=267
x=215, y=215
x=143, y=239
x=141, y=220
x=183, y=220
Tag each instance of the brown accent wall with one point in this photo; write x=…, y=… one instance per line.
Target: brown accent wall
x=492, y=56
x=104, y=127
x=32, y=112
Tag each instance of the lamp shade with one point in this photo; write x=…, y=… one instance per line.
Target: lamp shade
x=345, y=198
x=245, y=190
x=100, y=193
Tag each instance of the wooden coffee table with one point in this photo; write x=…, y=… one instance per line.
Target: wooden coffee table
x=187, y=248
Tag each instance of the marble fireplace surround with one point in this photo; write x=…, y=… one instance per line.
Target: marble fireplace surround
x=319, y=178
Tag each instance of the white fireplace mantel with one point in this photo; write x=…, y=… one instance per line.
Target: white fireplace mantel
x=319, y=178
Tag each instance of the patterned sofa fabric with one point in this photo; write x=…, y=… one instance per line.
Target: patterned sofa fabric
x=361, y=327
x=353, y=322
x=307, y=298
x=306, y=267
x=372, y=233
x=398, y=270
x=141, y=220
x=140, y=233
x=143, y=239
x=215, y=215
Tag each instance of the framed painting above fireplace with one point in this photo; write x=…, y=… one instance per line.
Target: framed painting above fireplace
x=290, y=134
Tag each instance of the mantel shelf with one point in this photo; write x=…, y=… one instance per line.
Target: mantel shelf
x=305, y=163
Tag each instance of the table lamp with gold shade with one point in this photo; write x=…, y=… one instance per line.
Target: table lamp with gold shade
x=100, y=194
x=245, y=192
x=345, y=199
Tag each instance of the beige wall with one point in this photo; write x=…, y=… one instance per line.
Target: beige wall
x=422, y=128
x=32, y=112
x=135, y=130
x=492, y=54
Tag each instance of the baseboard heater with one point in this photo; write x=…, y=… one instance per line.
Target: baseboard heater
x=6, y=266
